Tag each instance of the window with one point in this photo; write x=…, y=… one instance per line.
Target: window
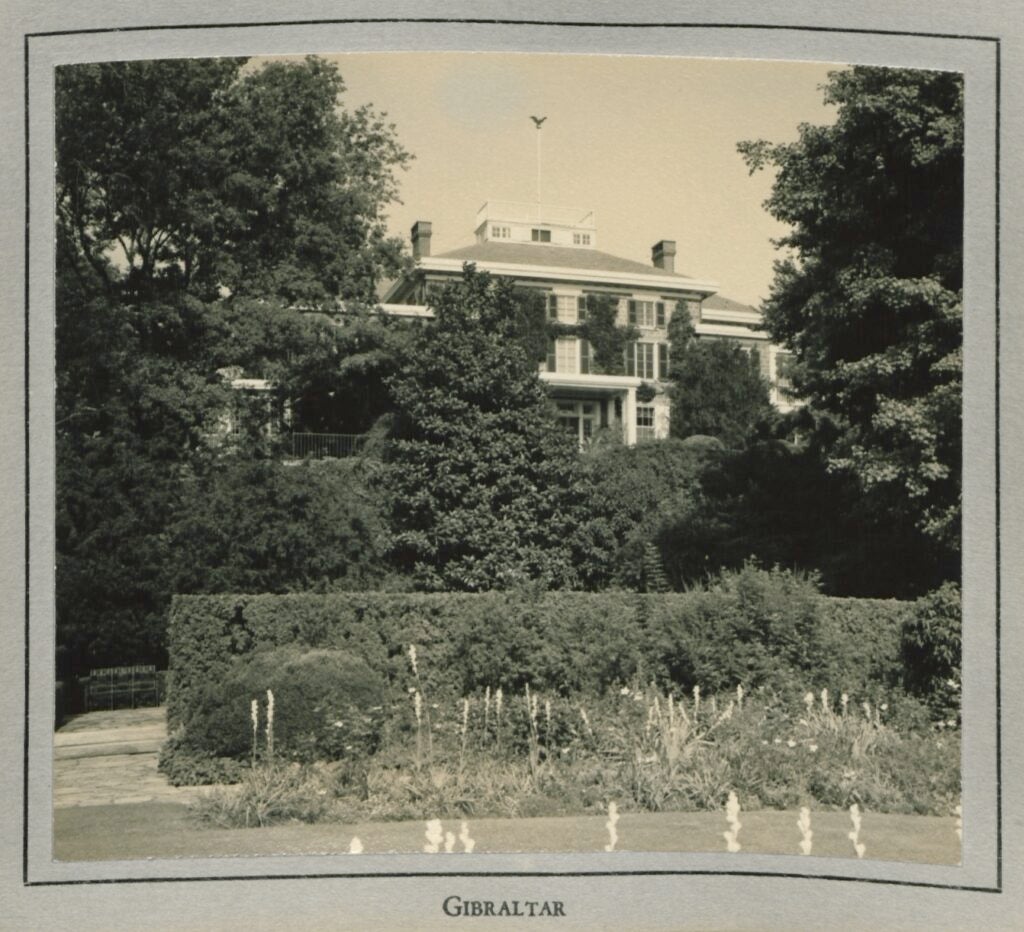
x=640, y=360
x=567, y=308
x=540, y=236
x=644, y=423
x=500, y=233
x=569, y=355
x=566, y=355
x=648, y=314
x=581, y=239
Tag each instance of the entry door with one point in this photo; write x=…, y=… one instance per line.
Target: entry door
x=579, y=418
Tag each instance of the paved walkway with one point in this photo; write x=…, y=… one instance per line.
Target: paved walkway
x=111, y=757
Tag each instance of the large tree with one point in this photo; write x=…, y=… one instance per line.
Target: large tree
x=482, y=481
x=868, y=292
x=210, y=175
x=197, y=200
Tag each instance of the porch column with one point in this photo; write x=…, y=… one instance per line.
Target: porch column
x=629, y=416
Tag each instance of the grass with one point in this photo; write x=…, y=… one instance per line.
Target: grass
x=166, y=830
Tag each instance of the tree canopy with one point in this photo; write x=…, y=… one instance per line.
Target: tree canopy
x=210, y=175
x=868, y=291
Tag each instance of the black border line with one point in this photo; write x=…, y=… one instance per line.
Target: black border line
x=998, y=888
x=515, y=22
x=998, y=501
x=577, y=874
x=28, y=562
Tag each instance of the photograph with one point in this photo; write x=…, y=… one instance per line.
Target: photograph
x=519, y=469
x=403, y=508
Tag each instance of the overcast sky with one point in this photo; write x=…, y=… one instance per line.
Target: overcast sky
x=648, y=143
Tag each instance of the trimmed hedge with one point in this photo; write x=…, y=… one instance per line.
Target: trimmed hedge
x=758, y=628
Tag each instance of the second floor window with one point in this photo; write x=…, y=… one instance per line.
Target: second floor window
x=569, y=355
x=567, y=308
x=649, y=314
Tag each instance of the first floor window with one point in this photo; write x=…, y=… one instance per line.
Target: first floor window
x=644, y=423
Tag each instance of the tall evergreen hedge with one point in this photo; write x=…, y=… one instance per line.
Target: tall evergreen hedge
x=763, y=628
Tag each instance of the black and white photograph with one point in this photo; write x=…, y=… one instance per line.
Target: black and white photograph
x=544, y=462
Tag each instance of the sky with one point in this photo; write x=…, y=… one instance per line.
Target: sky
x=647, y=143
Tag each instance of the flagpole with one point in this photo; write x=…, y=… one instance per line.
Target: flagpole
x=538, y=171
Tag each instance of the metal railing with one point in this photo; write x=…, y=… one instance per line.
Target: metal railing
x=319, y=446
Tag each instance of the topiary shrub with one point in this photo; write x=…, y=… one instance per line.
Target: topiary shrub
x=328, y=705
x=931, y=649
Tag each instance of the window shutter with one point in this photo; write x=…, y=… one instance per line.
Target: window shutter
x=584, y=357
x=552, y=358
x=631, y=357
x=660, y=312
x=552, y=308
x=581, y=308
x=632, y=311
x=662, y=360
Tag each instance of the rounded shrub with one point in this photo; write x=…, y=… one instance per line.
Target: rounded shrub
x=327, y=705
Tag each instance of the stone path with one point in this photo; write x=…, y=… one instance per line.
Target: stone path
x=111, y=757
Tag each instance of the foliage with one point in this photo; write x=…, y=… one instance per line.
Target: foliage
x=260, y=525
x=544, y=754
x=717, y=391
x=778, y=502
x=717, y=388
x=608, y=339
x=327, y=706
x=131, y=413
x=756, y=628
x=482, y=485
x=206, y=174
x=179, y=182
x=868, y=295
x=931, y=650
x=266, y=795
x=632, y=493
x=186, y=766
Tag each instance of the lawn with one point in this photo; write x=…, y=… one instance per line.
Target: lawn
x=166, y=830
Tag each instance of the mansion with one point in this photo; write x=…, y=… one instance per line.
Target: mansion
x=554, y=250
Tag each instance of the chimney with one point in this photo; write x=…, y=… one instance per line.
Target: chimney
x=421, y=239
x=663, y=254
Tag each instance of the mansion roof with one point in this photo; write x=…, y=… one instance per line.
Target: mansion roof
x=563, y=257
